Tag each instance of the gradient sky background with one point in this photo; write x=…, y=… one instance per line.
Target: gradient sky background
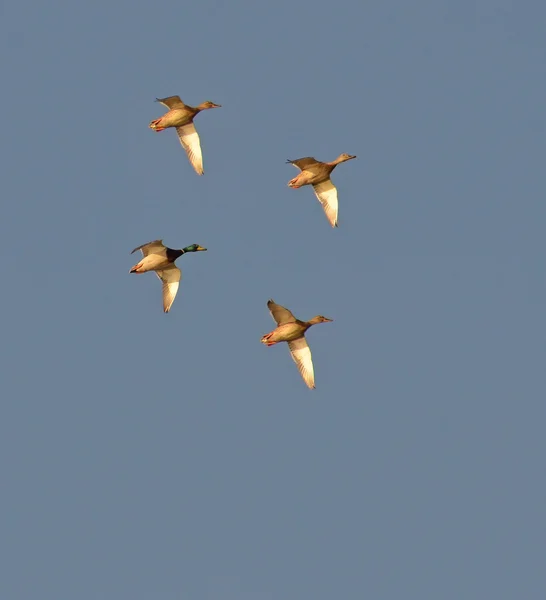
x=173, y=456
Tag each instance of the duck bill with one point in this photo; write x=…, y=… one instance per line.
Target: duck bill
x=327, y=320
x=216, y=105
x=201, y=249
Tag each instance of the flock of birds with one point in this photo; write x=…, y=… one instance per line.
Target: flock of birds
x=161, y=259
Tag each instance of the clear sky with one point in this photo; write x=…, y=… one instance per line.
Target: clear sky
x=174, y=457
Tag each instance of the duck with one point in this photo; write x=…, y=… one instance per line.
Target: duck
x=317, y=174
x=180, y=116
x=159, y=258
x=291, y=330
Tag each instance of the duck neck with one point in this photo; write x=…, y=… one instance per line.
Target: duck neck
x=172, y=254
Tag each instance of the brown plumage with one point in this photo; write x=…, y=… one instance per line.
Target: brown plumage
x=181, y=116
x=317, y=174
x=292, y=330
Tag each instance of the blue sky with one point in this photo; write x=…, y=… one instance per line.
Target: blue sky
x=173, y=456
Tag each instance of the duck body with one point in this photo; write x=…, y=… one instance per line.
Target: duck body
x=156, y=260
x=180, y=117
x=313, y=172
x=174, y=118
x=292, y=330
x=317, y=174
x=180, y=114
x=159, y=258
x=286, y=332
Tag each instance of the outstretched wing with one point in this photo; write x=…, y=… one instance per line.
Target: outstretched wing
x=150, y=247
x=301, y=353
x=171, y=102
x=171, y=280
x=189, y=138
x=280, y=314
x=302, y=163
x=326, y=193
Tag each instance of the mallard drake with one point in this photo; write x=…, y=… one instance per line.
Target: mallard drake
x=317, y=174
x=157, y=257
x=180, y=116
x=292, y=330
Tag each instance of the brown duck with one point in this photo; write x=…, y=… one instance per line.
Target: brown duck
x=317, y=174
x=180, y=116
x=292, y=330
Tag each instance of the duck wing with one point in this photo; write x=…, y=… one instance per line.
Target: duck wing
x=326, y=193
x=280, y=314
x=170, y=276
x=171, y=102
x=155, y=247
x=189, y=138
x=301, y=353
x=302, y=163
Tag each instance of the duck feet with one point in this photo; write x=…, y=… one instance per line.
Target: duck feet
x=155, y=125
x=265, y=340
x=293, y=183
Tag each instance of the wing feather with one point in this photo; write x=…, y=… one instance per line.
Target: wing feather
x=171, y=280
x=301, y=353
x=150, y=247
x=171, y=102
x=280, y=314
x=326, y=193
x=189, y=138
x=302, y=163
